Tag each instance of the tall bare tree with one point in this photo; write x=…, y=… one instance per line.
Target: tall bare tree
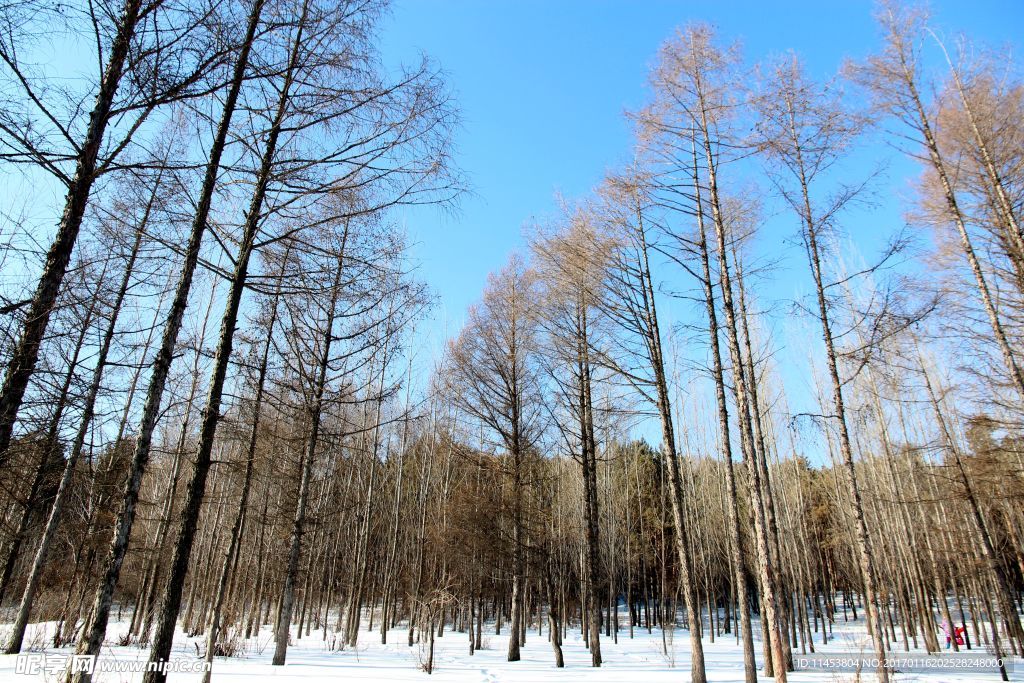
x=168, y=56
x=631, y=304
x=571, y=265
x=492, y=375
x=805, y=129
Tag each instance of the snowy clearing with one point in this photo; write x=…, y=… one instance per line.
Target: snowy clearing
x=311, y=658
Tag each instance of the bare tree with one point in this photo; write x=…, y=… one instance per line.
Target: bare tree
x=804, y=131
x=168, y=57
x=894, y=80
x=93, y=634
x=491, y=374
x=697, y=95
x=631, y=305
x=571, y=264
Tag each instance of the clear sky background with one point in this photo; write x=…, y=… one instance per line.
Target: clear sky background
x=543, y=86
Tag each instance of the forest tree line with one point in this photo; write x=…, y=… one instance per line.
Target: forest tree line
x=212, y=416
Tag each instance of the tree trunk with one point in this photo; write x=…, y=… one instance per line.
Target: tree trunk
x=64, y=488
x=668, y=446
x=749, y=661
x=95, y=630
x=233, y=544
x=309, y=454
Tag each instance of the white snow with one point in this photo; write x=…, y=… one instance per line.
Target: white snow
x=312, y=660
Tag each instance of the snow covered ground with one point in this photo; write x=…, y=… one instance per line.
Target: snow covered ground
x=311, y=660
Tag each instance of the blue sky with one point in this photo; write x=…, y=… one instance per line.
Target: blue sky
x=543, y=87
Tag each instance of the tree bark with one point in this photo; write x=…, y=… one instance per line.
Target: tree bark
x=95, y=630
